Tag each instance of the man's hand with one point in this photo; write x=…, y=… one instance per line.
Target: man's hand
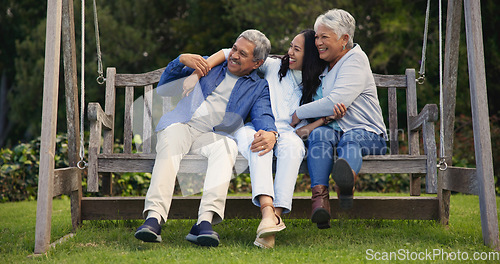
x=295, y=120
x=189, y=84
x=196, y=62
x=263, y=142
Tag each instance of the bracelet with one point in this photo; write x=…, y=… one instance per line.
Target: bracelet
x=325, y=121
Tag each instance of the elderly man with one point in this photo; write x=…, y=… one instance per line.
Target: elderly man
x=200, y=123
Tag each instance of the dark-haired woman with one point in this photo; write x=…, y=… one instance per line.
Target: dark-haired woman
x=287, y=77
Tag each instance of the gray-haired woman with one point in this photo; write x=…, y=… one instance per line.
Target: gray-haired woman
x=347, y=80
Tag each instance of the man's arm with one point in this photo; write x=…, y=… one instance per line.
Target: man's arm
x=264, y=141
x=263, y=121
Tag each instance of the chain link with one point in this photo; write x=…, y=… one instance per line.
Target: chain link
x=100, y=71
x=82, y=164
x=421, y=78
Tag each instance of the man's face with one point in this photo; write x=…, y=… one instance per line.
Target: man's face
x=241, y=60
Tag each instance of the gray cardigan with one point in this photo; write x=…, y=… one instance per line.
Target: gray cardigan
x=350, y=82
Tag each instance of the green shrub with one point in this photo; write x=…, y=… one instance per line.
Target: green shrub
x=19, y=169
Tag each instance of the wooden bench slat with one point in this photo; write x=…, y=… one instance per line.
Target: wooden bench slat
x=393, y=120
x=128, y=119
x=387, y=81
x=167, y=104
x=110, y=103
x=148, y=119
x=142, y=79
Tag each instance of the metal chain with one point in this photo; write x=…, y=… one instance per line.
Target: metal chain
x=100, y=79
x=82, y=164
x=421, y=78
x=442, y=161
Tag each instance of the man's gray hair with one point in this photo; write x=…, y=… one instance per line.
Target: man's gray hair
x=262, y=43
x=340, y=22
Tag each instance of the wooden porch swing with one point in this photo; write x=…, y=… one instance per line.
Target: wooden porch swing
x=54, y=182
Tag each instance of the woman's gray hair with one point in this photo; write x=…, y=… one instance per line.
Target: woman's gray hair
x=262, y=43
x=340, y=22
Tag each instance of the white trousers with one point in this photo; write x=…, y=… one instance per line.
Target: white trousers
x=173, y=143
x=289, y=153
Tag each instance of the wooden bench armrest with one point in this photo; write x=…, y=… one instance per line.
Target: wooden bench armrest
x=425, y=120
x=96, y=114
x=428, y=114
x=98, y=119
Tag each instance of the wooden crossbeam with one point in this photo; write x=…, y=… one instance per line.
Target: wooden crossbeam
x=66, y=181
x=127, y=208
x=463, y=180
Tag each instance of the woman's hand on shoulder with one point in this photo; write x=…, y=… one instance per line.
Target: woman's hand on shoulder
x=196, y=62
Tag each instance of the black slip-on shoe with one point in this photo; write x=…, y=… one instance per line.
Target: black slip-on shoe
x=203, y=235
x=150, y=231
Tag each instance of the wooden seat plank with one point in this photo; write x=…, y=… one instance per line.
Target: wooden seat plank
x=197, y=164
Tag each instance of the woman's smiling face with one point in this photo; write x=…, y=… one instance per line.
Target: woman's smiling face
x=330, y=47
x=296, y=52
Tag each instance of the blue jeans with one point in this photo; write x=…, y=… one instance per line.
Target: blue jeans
x=351, y=146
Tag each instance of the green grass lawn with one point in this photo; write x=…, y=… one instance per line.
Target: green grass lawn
x=348, y=241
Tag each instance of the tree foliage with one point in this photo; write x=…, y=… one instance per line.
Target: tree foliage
x=143, y=35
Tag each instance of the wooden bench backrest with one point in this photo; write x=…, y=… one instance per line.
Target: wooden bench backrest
x=146, y=81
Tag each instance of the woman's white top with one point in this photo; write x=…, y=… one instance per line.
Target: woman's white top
x=285, y=94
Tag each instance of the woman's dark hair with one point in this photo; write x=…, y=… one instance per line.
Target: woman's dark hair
x=312, y=67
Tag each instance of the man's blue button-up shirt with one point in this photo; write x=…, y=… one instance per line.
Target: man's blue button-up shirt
x=249, y=98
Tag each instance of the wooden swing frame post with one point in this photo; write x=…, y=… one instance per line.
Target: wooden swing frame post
x=478, y=181
x=52, y=182
x=481, y=123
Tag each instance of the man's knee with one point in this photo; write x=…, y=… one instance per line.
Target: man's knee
x=174, y=139
x=244, y=138
x=232, y=147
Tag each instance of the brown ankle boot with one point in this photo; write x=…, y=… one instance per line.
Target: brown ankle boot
x=320, y=206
